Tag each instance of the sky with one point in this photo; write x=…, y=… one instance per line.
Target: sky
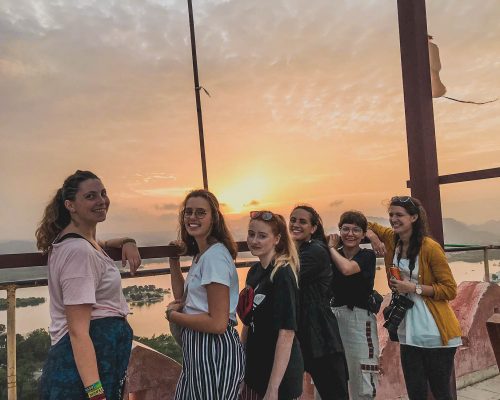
x=306, y=106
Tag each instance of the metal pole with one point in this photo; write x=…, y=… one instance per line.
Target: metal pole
x=11, y=343
x=486, y=266
x=197, y=96
x=422, y=154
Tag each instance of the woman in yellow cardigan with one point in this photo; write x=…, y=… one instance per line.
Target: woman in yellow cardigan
x=429, y=333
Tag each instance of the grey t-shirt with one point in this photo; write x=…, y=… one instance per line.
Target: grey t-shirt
x=214, y=266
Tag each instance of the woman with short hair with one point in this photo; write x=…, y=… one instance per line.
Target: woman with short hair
x=352, y=287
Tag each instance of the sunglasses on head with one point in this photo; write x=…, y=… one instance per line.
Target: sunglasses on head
x=403, y=199
x=264, y=215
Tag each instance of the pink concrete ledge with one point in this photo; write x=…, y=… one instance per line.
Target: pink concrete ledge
x=150, y=375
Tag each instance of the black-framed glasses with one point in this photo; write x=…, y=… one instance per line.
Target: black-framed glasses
x=264, y=215
x=199, y=213
x=356, y=230
x=403, y=199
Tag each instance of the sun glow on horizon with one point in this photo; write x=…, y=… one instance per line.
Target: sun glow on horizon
x=245, y=194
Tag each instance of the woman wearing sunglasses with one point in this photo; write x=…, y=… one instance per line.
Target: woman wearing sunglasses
x=205, y=305
x=429, y=333
x=274, y=365
x=352, y=285
x=318, y=333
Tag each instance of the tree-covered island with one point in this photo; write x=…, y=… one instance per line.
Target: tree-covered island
x=23, y=302
x=144, y=295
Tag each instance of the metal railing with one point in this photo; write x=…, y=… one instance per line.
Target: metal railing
x=11, y=261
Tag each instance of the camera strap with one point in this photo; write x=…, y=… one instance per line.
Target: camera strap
x=399, y=250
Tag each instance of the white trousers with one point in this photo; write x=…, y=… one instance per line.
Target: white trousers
x=358, y=329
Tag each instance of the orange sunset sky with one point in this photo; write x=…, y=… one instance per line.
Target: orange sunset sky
x=306, y=106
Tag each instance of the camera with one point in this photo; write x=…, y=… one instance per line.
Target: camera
x=396, y=311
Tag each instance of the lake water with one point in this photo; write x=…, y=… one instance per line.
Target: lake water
x=150, y=320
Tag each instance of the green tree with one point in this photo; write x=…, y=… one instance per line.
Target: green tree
x=164, y=344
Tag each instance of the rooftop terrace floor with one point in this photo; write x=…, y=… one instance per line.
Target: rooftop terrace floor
x=485, y=390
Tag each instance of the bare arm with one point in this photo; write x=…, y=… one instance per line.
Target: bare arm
x=130, y=252
x=406, y=286
x=176, y=277
x=377, y=245
x=345, y=266
x=217, y=318
x=244, y=335
x=78, y=317
x=281, y=359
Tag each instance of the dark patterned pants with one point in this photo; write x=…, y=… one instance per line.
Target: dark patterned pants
x=112, y=339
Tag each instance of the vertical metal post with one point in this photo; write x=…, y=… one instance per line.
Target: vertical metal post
x=11, y=343
x=486, y=265
x=422, y=154
x=197, y=96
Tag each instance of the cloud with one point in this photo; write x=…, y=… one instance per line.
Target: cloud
x=252, y=203
x=336, y=203
x=167, y=206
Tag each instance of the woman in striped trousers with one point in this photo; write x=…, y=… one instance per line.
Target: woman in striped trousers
x=205, y=305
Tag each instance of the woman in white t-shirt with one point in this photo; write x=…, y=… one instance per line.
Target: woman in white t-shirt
x=91, y=339
x=205, y=305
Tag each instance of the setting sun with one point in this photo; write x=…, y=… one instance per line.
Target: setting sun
x=245, y=194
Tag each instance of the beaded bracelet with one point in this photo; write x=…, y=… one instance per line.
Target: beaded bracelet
x=95, y=391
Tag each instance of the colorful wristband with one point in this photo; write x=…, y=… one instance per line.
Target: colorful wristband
x=95, y=391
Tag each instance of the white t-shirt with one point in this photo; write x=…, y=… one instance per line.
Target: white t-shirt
x=214, y=266
x=418, y=328
x=79, y=274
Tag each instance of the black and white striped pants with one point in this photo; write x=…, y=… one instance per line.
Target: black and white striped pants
x=213, y=366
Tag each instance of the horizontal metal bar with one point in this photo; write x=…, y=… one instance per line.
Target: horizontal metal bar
x=38, y=259
x=125, y=275
x=466, y=176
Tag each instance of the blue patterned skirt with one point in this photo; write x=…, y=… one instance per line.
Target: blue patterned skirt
x=112, y=339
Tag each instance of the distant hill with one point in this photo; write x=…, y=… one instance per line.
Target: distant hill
x=489, y=226
x=456, y=232
x=18, y=246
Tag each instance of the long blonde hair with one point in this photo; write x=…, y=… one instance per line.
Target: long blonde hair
x=286, y=252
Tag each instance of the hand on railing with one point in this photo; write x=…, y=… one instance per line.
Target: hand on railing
x=130, y=253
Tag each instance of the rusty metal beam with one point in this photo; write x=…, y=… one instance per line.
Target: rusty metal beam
x=422, y=154
x=11, y=343
x=38, y=259
x=467, y=176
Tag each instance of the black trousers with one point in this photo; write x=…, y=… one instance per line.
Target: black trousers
x=422, y=366
x=330, y=376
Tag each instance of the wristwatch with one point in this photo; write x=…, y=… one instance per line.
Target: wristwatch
x=418, y=288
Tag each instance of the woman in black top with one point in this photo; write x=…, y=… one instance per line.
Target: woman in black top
x=352, y=285
x=318, y=333
x=274, y=365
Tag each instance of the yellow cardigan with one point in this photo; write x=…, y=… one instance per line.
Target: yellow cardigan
x=433, y=270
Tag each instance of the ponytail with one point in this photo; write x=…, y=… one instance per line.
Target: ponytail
x=56, y=216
